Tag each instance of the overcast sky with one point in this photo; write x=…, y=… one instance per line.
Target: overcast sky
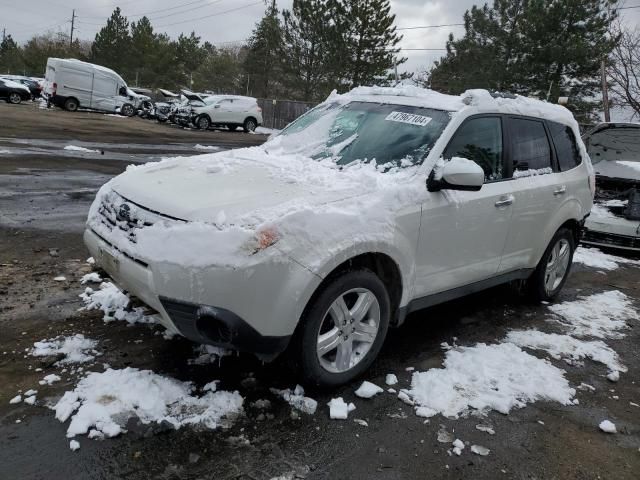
x=209, y=20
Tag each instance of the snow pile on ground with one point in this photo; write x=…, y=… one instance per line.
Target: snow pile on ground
x=570, y=349
x=297, y=400
x=74, y=349
x=368, y=390
x=75, y=148
x=101, y=403
x=487, y=377
x=113, y=304
x=339, y=409
x=92, y=277
x=594, y=258
x=206, y=147
x=602, y=315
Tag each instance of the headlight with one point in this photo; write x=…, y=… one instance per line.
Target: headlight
x=264, y=238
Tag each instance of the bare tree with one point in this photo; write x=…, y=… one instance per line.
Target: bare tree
x=624, y=71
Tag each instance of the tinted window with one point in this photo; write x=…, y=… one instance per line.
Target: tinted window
x=480, y=140
x=566, y=148
x=529, y=145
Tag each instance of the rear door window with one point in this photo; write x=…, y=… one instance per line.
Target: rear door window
x=480, y=140
x=530, y=149
x=566, y=146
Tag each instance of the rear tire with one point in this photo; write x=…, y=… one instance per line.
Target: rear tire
x=71, y=104
x=250, y=125
x=554, y=267
x=333, y=329
x=14, y=98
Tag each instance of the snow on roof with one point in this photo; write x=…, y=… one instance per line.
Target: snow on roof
x=481, y=100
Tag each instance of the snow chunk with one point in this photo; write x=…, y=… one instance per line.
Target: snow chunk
x=76, y=349
x=607, y=426
x=49, y=379
x=74, y=445
x=570, y=349
x=206, y=147
x=486, y=428
x=91, y=277
x=594, y=258
x=458, y=446
x=480, y=450
x=297, y=400
x=113, y=304
x=16, y=399
x=60, y=279
x=391, y=379
x=30, y=392
x=105, y=401
x=208, y=354
x=613, y=376
x=75, y=148
x=339, y=409
x=601, y=315
x=30, y=400
x=488, y=377
x=368, y=390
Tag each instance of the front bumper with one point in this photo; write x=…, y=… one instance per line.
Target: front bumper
x=612, y=232
x=254, y=310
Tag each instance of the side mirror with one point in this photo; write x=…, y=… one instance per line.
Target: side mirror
x=456, y=174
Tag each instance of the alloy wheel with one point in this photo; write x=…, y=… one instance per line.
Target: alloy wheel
x=557, y=265
x=348, y=330
x=14, y=98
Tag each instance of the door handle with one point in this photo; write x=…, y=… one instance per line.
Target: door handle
x=504, y=201
x=560, y=191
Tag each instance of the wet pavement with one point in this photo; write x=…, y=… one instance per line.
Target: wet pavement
x=43, y=201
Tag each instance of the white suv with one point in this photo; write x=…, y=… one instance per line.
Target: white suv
x=373, y=205
x=231, y=111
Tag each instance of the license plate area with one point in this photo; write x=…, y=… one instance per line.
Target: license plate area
x=110, y=263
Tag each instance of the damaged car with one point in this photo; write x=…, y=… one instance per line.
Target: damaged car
x=375, y=204
x=614, y=222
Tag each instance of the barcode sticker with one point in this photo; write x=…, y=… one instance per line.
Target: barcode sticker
x=410, y=118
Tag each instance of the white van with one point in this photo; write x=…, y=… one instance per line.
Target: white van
x=73, y=84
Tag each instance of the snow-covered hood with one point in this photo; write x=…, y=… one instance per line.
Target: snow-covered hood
x=220, y=186
x=627, y=169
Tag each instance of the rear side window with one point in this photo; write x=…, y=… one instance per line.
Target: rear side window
x=566, y=147
x=480, y=140
x=530, y=148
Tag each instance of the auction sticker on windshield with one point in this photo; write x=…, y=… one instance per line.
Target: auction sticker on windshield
x=410, y=118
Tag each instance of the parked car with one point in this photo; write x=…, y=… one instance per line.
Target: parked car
x=231, y=111
x=34, y=87
x=73, y=84
x=13, y=92
x=614, y=222
x=375, y=204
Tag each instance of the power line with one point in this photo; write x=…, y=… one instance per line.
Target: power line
x=432, y=26
x=212, y=15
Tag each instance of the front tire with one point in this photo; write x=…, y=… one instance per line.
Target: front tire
x=127, y=110
x=342, y=330
x=552, y=272
x=203, y=122
x=15, y=98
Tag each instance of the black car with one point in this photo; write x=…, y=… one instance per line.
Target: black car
x=33, y=86
x=12, y=93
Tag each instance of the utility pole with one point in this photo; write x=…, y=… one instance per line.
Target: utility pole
x=73, y=23
x=605, y=92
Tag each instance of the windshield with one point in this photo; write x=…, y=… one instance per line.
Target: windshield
x=390, y=135
x=615, y=144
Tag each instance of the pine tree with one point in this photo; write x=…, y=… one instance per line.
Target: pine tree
x=307, y=34
x=263, y=61
x=111, y=47
x=189, y=55
x=143, y=52
x=10, y=56
x=368, y=40
x=541, y=48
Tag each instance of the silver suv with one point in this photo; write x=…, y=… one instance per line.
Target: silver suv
x=375, y=204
